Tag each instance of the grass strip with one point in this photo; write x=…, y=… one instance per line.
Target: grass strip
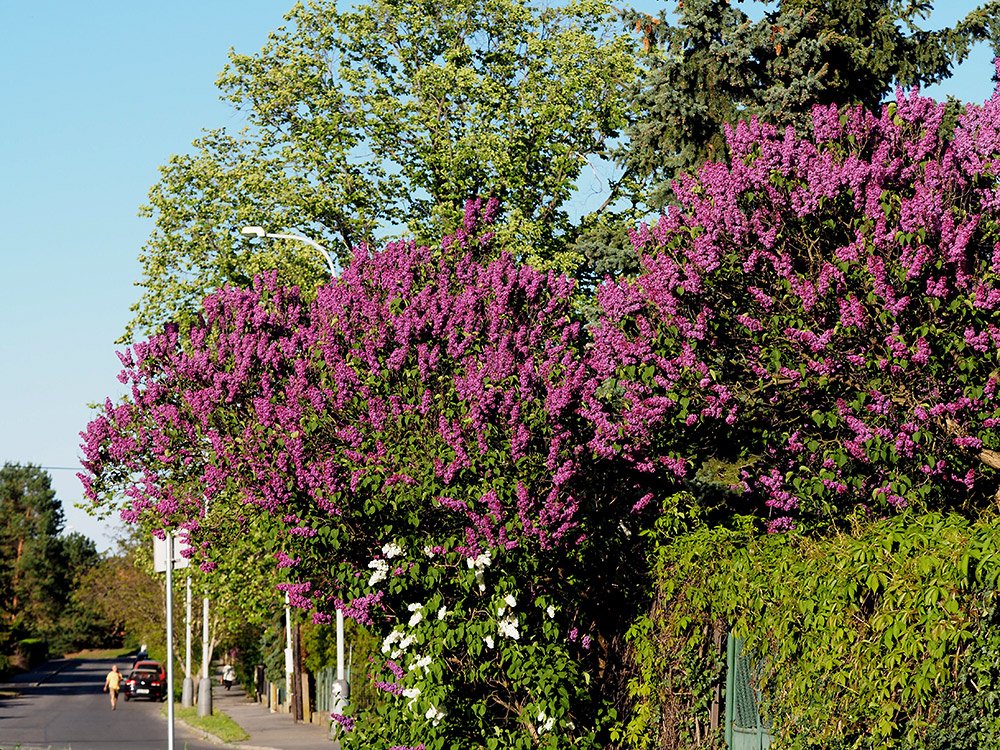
x=218, y=724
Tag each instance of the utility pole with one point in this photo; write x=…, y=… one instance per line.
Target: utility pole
x=297, y=707
x=187, y=692
x=205, y=686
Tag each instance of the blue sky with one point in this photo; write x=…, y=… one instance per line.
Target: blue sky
x=95, y=96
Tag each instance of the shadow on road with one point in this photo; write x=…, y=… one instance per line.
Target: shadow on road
x=62, y=677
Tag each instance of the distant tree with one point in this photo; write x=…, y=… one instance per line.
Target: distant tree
x=712, y=64
x=79, y=554
x=30, y=550
x=80, y=624
x=40, y=569
x=126, y=595
x=386, y=118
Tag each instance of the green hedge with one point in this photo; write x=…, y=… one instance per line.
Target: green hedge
x=878, y=637
x=30, y=652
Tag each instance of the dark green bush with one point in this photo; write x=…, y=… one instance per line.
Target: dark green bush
x=31, y=652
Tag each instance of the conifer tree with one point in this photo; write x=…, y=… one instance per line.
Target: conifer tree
x=714, y=62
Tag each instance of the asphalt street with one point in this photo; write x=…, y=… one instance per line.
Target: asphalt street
x=62, y=707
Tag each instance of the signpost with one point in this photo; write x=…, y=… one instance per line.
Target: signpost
x=166, y=557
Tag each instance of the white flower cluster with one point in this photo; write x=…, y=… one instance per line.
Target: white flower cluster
x=545, y=723
x=392, y=550
x=507, y=627
x=424, y=663
x=381, y=568
x=395, y=644
x=418, y=614
x=510, y=601
x=479, y=564
x=551, y=612
x=434, y=715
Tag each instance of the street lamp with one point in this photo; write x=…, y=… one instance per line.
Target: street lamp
x=342, y=686
x=260, y=232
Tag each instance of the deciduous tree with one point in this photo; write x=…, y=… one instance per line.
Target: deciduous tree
x=365, y=122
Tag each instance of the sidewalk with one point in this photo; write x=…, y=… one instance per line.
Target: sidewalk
x=268, y=731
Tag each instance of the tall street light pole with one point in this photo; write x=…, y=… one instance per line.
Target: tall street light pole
x=342, y=685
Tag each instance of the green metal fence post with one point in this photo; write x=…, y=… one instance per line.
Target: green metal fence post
x=730, y=686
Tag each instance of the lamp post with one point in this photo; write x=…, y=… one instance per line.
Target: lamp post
x=205, y=685
x=342, y=686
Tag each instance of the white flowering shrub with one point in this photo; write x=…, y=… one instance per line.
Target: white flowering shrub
x=465, y=646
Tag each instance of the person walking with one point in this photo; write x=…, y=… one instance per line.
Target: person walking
x=112, y=684
x=228, y=676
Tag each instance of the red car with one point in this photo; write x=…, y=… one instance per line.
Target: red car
x=145, y=683
x=152, y=666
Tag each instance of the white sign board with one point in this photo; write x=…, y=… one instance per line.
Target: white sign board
x=160, y=554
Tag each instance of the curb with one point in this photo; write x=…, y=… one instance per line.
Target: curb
x=60, y=665
x=216, y=741
x=206, y=735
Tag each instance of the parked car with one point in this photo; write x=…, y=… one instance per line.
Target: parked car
x=145, y=683
x=153, y=666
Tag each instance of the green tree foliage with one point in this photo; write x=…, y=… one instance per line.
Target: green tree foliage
x=80, y=623
x=712, y=63
x=241, y=576
x=859, y=635
x=39, y=568
x=363, y=122
x=239, y=580
x=127, y=595
x=30, y=522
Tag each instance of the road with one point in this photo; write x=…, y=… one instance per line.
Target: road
x=61, y=707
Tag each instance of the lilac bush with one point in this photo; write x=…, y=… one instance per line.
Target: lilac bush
x=821, y=312
x=415, y=439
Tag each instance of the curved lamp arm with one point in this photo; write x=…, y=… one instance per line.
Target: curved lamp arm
x=260, y=232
